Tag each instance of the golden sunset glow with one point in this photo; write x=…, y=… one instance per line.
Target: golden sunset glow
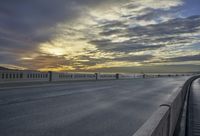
x=114, y=64
x=61, y=68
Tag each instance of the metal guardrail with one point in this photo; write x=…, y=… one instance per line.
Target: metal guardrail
x=163, y=122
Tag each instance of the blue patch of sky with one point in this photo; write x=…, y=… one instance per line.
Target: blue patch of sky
x=190, y=8
x=196, y=47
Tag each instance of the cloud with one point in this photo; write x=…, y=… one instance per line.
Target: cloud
x=146, y=69
x=185, y=58
x=89, y=34
x=172, y=32
x=136, y=58
x=25, y=24
x=155, y=4
x=125, y=46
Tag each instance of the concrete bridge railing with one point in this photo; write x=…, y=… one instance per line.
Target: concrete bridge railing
x=163, y=122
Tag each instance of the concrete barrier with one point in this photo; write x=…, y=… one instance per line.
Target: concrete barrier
x=61, y=76
x=126, y=76
x=104, y=76
x=84, y=76
x=163, y=122
x=157, y=125
x=10, y=76
x=174, y=103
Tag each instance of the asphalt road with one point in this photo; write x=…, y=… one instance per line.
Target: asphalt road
x=92, y=108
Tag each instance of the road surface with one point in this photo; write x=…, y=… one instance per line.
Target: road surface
x=92, y=108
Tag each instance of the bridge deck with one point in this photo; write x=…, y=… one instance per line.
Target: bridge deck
x=101, y=108
x=194, y=109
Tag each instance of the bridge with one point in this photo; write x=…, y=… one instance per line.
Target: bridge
x=157, y=105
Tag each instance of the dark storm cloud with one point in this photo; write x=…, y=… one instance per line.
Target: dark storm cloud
x=151, y=14
x=175, y=26
x=101, y=42
x=29, y=16
x=193, y=58
x=35, y=19
x=113, y=23
x=111, y=32
x=134, y=47
x=185, y=58
x=135, y=58
x=171, y=27
x=126, y=46
x=155, y=14
x=160, y=68
x=112, y=27
x=151, y=36
x=7, y=58
x=46, y=61
x=24, y=24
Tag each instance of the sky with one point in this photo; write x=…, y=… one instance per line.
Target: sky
x=100, y=35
